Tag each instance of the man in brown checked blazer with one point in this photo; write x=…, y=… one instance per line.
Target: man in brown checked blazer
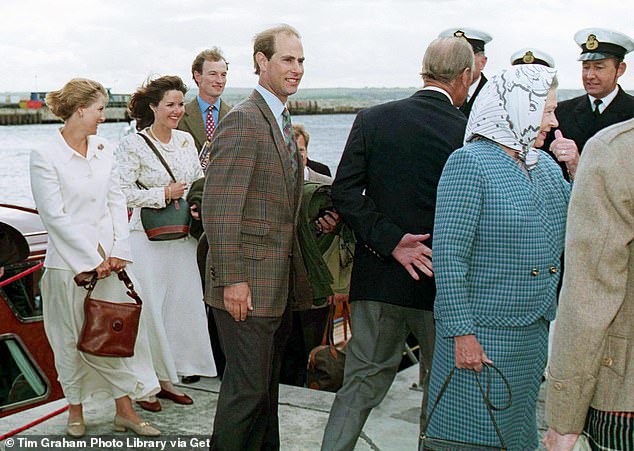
x=250, y=209
x=591, y=371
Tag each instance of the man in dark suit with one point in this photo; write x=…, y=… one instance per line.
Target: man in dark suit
x=256, y=275
x=605, y=103
x=202, y=114
x=477, y=39
x=385, y=190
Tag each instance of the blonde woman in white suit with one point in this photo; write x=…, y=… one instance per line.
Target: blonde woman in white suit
x=81, y=205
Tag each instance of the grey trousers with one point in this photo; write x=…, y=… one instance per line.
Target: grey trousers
x=373, y=355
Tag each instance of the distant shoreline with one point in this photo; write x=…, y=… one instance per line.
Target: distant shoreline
x=311, y=101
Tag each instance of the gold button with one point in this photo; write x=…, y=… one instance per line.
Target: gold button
x=553, y=270
x=608, y=361
x=535, y=272
x=558, y=386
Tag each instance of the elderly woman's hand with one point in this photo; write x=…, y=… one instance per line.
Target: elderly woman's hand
x=566, y=151
x=554, y=441
x=469, y=353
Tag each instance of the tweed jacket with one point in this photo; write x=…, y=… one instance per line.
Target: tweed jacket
x=192, y=121
x=250, y=210
x=466, y=107
x=577, y=121
x=498, y=240
x=593, y=351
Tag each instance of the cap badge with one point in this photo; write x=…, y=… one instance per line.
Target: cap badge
x=528, y=58
x=459, y=34
x=592, y=43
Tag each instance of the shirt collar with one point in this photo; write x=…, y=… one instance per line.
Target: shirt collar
x=204, y=105
x=437, y=89
x=473, y=87
x=275, y=105
x=95, y=148
x=606, y=101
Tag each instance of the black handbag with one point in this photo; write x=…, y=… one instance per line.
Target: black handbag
x=110, y=328
x=171, y=222
x=439, y=444
x=326, y=362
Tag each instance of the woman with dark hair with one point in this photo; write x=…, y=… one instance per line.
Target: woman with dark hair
x=166, y=269
x=79, y=200
x=498, y=238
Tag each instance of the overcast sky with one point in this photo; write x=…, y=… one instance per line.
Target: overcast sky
x=347, y=43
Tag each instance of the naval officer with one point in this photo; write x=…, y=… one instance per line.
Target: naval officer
x=531, y=55
x=604, y=104
x=477, y=39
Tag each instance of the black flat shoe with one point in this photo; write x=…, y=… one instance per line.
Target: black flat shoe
x=190, y=379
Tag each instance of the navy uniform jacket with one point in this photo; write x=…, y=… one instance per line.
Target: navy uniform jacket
x=577, y=121
x=466, y=107
x=386, y=187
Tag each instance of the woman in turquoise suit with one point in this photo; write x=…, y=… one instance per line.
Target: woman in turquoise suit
x=498, y=238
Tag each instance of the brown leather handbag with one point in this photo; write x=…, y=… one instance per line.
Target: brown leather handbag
x=326, y=362
x=110, y=328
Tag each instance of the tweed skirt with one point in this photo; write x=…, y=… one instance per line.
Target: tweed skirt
x=520, y=353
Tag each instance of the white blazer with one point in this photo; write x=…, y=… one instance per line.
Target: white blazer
x=80, y=203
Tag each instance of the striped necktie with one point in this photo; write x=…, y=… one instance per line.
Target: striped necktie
x=287, y=128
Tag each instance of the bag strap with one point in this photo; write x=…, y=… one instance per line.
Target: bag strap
x=158, y=155
x=485, y=395
x=88, y=280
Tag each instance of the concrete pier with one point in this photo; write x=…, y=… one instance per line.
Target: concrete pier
x=393, y=426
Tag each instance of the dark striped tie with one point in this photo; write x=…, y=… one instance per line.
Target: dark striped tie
x=597, y=103
x=287, y=127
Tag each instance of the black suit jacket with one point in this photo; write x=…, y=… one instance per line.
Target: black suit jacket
x=386, y=187
x=318, y=167
x=466, y=107
x=577, y=121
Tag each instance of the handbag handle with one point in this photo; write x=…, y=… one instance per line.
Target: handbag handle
x=158, y=154
x=485, y=396
x=88, y=280
x=329, y=330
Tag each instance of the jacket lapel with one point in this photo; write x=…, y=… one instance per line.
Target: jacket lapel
x=584, y=118
x=280, y=146
x=617, y=111
x=195, y=120
x=224, y=109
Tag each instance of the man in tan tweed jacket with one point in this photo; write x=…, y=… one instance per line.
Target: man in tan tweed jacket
x=250, y=209
x=591, y=373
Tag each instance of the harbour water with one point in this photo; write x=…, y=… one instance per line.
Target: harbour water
x=328, y=134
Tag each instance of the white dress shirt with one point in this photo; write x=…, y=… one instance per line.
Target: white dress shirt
x=80, y=203
x=605, y=102
x=275, y=105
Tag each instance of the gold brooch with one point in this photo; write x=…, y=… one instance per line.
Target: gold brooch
x=528, y=58
x=100, y=147
x=592, y=43
x=185, y=144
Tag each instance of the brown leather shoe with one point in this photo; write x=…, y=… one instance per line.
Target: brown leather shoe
x=178, y=399
x=150, y=406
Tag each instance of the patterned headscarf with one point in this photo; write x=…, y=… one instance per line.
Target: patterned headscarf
x=509, y=109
